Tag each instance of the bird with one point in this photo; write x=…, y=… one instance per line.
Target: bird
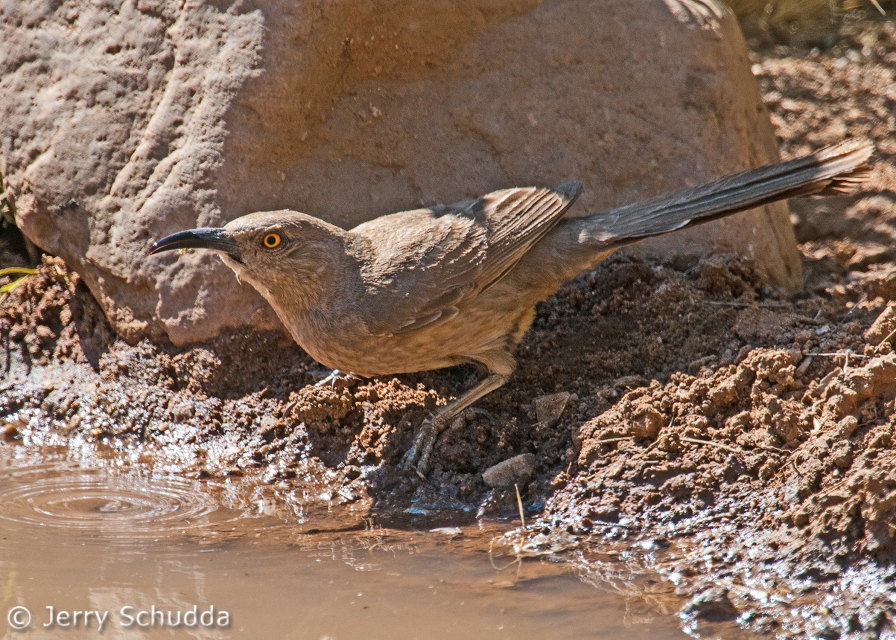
x=439, y=286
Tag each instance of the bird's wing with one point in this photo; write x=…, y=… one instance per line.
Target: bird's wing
x=429, y=262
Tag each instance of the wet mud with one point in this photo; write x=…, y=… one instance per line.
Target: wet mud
x=740, y=438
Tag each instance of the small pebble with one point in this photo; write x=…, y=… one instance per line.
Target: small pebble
x=516, y=470
x=549, y=408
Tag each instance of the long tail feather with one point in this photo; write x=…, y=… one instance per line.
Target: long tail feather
x=832, y=170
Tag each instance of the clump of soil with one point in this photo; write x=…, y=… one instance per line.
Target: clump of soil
x=745, y=432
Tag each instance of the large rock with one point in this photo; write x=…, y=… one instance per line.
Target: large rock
x=126, y=120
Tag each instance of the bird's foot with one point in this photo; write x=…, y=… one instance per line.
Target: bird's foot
x=331, y=378
x=418, y=456
x=425, y=439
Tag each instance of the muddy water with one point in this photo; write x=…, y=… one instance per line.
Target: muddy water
x=156, y=556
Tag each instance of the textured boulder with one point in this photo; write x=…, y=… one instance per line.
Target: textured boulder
x=126, y=120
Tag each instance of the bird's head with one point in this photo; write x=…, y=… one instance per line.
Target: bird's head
x=275, y=251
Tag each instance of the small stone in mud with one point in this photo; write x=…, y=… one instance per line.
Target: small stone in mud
x=549, y=408
x=647, y=423
x=516, y=470
x=767, y=470
x=10, y=432
x=180, y=409
x=712, y=605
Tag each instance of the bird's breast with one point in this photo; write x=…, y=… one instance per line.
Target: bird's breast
x=485, y=333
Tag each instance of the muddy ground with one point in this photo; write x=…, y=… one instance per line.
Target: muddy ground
x=740, y=437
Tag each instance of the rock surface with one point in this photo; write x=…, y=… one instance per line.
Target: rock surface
x=125, y=121
x=515, y=470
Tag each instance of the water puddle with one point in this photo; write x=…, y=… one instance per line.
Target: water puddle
x=149, y=556
x=84, y=500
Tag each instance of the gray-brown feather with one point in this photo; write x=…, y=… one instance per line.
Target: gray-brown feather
x=429, y=263
x=835, y=169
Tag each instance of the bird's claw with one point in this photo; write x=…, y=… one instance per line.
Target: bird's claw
x=417, y=457
x=331, y=378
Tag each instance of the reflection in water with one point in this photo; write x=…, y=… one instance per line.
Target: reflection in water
x=93, y=540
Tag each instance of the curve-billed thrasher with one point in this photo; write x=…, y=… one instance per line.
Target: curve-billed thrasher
x=436, y=287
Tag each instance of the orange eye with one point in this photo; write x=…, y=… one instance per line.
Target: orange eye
x=271, y=240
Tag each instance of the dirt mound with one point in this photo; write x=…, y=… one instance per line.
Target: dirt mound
x=820, y=448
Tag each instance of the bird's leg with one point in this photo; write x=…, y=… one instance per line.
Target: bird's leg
x=436, y=423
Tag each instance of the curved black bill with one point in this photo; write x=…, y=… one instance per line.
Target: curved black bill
x=206, y=238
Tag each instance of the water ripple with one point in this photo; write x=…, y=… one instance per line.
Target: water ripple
x=110, y=504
